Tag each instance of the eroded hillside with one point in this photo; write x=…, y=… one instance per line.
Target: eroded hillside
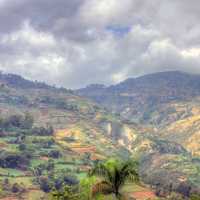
x=67, y=133
x=167, y=102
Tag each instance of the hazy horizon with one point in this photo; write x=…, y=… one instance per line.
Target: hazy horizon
x=96, y=83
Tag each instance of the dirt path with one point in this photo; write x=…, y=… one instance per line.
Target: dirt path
x=143, y=195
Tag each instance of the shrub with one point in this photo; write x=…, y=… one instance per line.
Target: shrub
x=195, y=197
x=13, y=160
x=45, y=184
x=41, y=131
x=15, y=188
x=22, y=147
x=54, y=154
x=17, y=121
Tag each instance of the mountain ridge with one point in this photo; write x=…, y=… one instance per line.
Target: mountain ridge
x=158, y=100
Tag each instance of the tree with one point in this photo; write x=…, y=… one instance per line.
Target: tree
x=114, y=174
x=195, y=197
x=54, y=154
x=67, y=193
x=13, y=160
x=22, y=147
x=85, y=188
x=15, y=120
x=28, y=121
x=81, y=191
x=45, y=184
x=16, y=188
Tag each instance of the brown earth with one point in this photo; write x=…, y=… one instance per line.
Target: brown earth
x=143, y=195
x=81, y=150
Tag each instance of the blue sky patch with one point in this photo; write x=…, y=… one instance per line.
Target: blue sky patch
x=118, y=30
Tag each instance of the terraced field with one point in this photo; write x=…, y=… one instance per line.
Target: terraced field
x=50, y=137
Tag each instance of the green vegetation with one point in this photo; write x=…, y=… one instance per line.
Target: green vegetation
x=16, y=121
x=111, y=176
x=51, y=138
x=114, y=175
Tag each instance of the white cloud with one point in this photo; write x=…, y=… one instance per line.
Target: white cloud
x=75, y=43
x=105, y=12
x=191, y=53
x=29, y=36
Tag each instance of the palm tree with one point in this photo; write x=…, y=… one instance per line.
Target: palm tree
x=113, y=175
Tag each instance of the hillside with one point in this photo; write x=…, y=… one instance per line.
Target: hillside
x=147, y=90
x=167, y=102
x=50, y=136
x=52, y=127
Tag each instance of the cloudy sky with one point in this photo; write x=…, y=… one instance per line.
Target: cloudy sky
x=78, y=42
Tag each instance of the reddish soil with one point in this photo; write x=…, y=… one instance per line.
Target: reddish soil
x=81, y=150
x=44, y=158
x=10, y=198
x=96, y=157
x=144, y=195
x=2, y=145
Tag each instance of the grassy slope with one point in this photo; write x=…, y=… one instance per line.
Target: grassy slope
x=87, y=129
x=180, y=122
x=168, y=102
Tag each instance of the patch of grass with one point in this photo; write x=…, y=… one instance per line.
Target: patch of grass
x=59, y=167
x=81, y=175
x=35, y=195
x=7, y=138
x=11, y=172
x=27, y=181
x=12, y=148
x=131, y=187
x=36, y=162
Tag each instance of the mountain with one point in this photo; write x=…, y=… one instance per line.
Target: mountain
x=133, y=96
x=46, y=130
x=168, y=102
x=50, y=136
x=60, y=108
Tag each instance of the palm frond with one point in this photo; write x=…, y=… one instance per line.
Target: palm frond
x=129, y=172
x=102, y=187
x=114, y=176
x=99, y=170
x=102, y=171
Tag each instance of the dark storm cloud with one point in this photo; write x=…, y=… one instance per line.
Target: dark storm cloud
x=74, y=43
x=47, y=15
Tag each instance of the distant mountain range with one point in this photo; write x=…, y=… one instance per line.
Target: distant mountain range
x=135, y=95
x=169, y=102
